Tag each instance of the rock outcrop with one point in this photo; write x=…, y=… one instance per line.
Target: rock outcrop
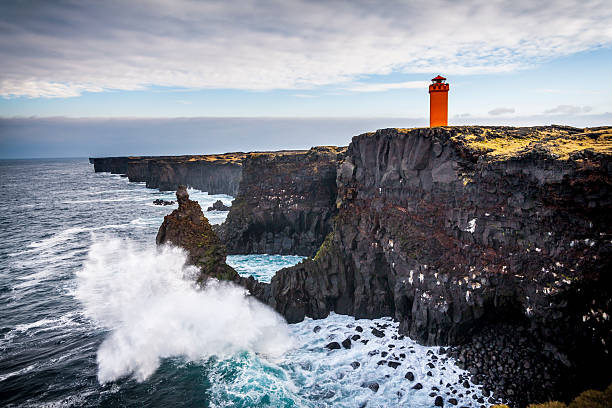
x=218, y=206
x=285, y=204
x=451, y=230
x=188, y=228
x=215, y=174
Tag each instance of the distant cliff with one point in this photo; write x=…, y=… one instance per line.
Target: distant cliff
x=285, y=204
x=453, y=230
x=216, y=174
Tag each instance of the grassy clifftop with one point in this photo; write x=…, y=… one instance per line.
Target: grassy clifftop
x=558, y=142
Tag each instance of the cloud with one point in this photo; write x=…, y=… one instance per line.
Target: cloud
x=62, y=49
x=381, y=87
x=568, y=110
x=501, y=111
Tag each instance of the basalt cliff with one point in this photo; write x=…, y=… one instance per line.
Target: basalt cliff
x=461, y=232
x=495, y=240
x=285, y=203
x=216, y=174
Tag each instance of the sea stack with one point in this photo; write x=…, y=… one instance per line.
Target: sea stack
x=188, y=228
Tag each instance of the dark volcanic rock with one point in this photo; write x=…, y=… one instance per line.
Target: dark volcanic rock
x=188, y=228
x=159, y=201
x=285, y=203
x=218, y=206
x=334, y=345
x=378, y=333
x=371, y=385
x=450, y=230
x=394, y=364
x=216, y=174
x=346, y=343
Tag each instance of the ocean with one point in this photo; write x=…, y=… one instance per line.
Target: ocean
x=92, y=313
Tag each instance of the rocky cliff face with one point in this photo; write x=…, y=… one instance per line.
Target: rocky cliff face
x=216, y=174
x=453, y=230
x=114, y=165
x=285, y=203
x=188, y=228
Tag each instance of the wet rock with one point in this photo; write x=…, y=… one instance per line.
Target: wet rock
x=355, y=364
x=188, y=228
x=378, y=333
x=453, y=401
x=373, y=385
x=218, y=206
x=409, y=376
x=394, y=364
x=159, y=201
x=334, y=345
x=418, y=386
x=439, y=402
x=346, y=343
x=316, y=329
x=359, y=329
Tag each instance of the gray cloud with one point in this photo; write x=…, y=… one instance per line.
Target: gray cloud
x=501, y=111
x=64, y=48
x=568, y=110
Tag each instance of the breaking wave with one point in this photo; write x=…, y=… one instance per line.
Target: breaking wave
x=147, y=300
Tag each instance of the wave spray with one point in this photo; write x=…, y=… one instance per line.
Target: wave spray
x=147, y=299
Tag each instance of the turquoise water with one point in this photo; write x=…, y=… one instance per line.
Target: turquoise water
x=92, y=313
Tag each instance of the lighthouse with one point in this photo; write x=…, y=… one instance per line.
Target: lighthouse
x=438, y=102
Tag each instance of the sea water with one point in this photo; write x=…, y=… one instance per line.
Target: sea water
x=92, y=313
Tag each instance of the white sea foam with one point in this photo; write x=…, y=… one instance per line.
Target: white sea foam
x=261, y=266
x=69, y=233
x=146, y=297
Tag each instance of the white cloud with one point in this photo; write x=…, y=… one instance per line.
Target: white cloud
x=568, y=110
x=381, y=87
x=501, y=111
x=51, y=49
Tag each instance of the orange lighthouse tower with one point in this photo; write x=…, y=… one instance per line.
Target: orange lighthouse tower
x=438, y=102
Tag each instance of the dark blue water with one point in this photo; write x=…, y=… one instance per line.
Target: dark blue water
x=93, y=314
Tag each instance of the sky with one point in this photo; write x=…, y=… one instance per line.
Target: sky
x=210, y=72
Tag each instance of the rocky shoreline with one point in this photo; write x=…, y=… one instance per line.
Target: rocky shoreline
x=493, y=240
